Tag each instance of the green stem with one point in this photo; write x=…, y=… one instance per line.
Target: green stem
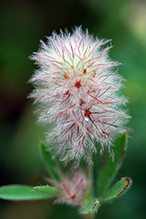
x=89, y=195
x=89, y=216
x=94, y=178
x=91, y=179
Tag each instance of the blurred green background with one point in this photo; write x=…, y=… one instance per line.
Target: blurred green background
x=22, y=25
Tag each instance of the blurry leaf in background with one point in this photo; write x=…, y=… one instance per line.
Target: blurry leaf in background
x=52, y=165
x=110, y=168
x=25, y=147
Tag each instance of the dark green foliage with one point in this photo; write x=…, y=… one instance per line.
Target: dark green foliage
x=53, y=167
x=110, y=167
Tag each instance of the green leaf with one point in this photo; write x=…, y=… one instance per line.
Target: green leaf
x=110, y=167
x=51, y=164
x=21, y=193
x=117, y=190
x=91, y=207
x=46, y=189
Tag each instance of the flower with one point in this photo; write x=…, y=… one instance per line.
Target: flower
x=77, y=87
x=73, y=187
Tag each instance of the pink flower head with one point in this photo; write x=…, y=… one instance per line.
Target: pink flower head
x=78, y=93
x=73, y=187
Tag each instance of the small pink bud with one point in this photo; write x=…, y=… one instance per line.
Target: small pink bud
x=73, y=187
x=78, y=94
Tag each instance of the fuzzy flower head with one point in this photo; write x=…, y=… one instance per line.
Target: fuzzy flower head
x=77, y=88
x=73, y=187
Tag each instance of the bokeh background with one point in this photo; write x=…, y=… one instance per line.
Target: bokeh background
x=22, y=24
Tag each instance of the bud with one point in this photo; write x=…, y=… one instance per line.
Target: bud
x=73, y=187
x=78, y=90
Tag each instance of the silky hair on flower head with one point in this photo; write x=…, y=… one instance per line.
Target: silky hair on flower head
x=77, y=88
